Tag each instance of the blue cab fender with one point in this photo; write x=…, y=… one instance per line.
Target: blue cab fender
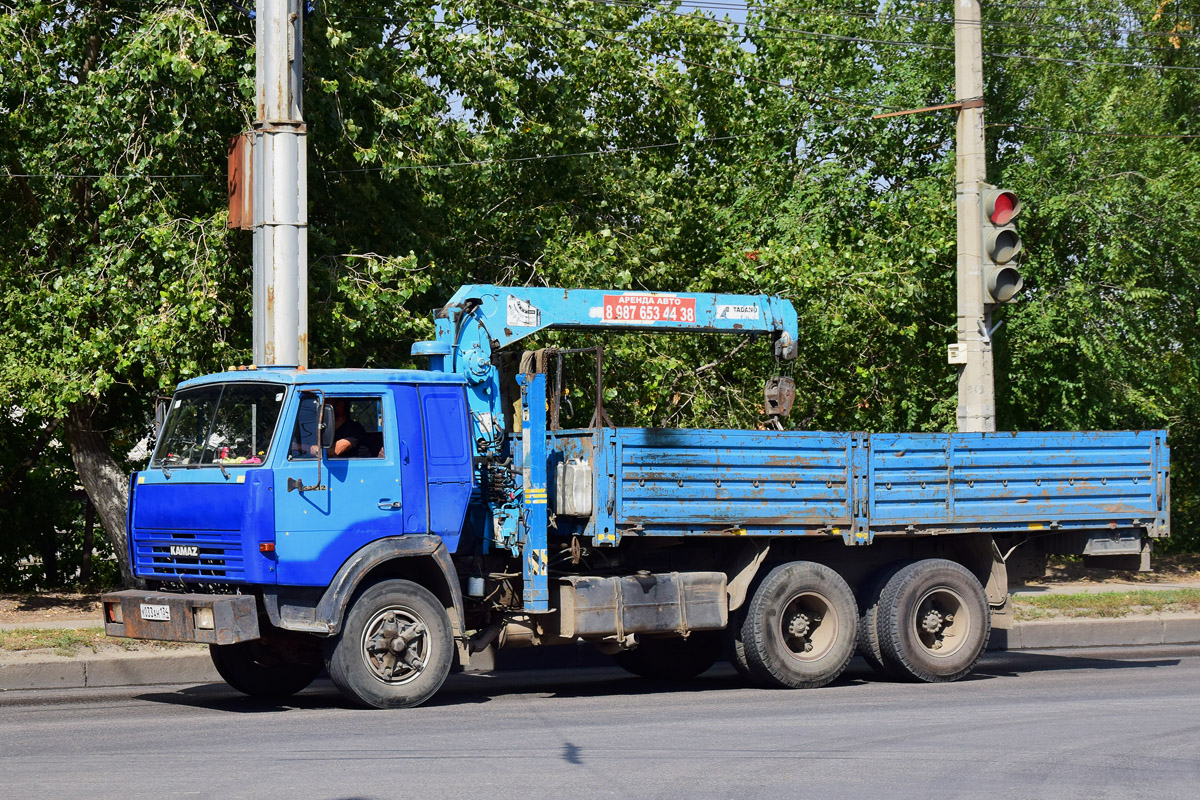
x=421, y=558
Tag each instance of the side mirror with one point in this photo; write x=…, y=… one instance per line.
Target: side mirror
x=160, y=414
x=327, y=426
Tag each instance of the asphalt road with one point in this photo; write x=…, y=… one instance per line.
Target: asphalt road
x=1079, y=724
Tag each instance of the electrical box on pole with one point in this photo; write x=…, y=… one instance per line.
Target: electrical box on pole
x=1001, y=244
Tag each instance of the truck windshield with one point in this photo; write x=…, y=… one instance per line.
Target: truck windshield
x=226, y=424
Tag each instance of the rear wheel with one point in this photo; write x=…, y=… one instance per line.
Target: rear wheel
x=395, y=648
x=933, y=621
x=869, y=646
x=672, y=659
x=266, y=668
x=799, y=628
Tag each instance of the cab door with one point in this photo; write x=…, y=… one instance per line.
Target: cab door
x=358, y=499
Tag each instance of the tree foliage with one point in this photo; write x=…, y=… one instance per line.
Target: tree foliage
x=621, y=144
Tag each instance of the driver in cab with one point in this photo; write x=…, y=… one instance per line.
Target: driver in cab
x=348, y=434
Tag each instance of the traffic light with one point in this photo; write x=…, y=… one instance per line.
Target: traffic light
x=1001, y=244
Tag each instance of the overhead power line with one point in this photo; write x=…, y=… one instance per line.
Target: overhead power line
x=564, y=25
x=601, y=152
x=762, y=32
x=640, y=4
x=589, y=153
x=877, y=17
x=1109, y=134
x=615, y=150
x=818, y=35
x=97, y=175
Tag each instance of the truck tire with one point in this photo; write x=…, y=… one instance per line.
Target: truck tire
x=260, y=669
x=933, y=621
x=672, y=659
x=869, y=646
x=395, y=648
x=799, y=630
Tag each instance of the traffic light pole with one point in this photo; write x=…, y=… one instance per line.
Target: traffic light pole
x=280, y=178
x=976, y=385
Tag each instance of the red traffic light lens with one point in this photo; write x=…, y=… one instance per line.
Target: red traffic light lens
x=1003, y=208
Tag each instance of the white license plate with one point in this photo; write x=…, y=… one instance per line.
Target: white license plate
x=159, y=613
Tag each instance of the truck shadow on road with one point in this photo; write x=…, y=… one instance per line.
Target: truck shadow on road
x=1013, y=664
x=611, y=682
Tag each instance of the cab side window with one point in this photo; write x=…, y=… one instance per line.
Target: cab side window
x=358, y=431
x=360, y=424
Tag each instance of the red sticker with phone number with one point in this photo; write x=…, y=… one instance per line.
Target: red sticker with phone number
x=643, y=309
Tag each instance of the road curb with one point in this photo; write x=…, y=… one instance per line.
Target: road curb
x=148, y=669
x=132, y=669
x=1066, y=633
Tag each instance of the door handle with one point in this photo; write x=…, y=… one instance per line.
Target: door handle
x=390, y=505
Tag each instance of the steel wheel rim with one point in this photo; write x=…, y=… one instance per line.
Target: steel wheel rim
x=808, y=626
x=941, y=622
x=395, y=645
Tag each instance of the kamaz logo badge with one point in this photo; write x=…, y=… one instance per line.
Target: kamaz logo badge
x=186, y=550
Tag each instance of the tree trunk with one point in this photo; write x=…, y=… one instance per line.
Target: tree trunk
x=106, y=484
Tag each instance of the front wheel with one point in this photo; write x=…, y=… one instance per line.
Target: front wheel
x=265, y=668
x=933, y=621
x=799, y=628
x=395, y=648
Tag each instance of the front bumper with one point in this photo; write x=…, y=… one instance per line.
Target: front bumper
x=202, y=618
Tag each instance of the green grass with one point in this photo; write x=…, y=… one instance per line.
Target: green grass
x=1107, y=604
x=68, y=642
x=64, y=642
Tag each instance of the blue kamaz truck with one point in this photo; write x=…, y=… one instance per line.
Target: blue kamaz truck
x=393, y=525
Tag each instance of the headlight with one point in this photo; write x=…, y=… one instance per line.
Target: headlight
x=204, y=618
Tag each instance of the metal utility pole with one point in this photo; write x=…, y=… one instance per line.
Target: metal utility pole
x=280, y=176
x=976, y=389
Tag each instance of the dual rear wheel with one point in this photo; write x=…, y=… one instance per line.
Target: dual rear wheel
x=923, y=621
x=926, y=621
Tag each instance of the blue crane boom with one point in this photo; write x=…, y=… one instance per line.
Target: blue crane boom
x=481, y=319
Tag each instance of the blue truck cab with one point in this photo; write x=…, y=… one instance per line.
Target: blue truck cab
x=219, y=499
x=388, y=526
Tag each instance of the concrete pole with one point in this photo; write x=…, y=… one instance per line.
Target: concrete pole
x=280, y=188
x=976, y=389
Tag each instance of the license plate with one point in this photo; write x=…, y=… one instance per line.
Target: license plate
x=158, y=613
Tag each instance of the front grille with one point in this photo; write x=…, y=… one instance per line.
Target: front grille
x=220, y=555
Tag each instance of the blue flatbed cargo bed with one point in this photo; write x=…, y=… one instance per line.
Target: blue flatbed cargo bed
x=650, y=481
